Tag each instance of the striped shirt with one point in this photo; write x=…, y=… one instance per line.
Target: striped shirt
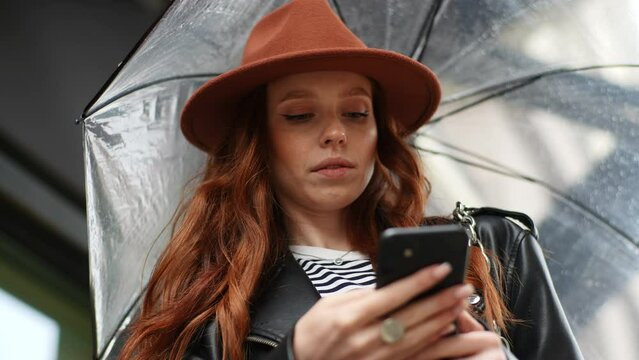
x=329, y=278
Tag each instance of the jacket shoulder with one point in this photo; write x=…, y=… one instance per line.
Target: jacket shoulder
x=503, y=235
x=542, y=331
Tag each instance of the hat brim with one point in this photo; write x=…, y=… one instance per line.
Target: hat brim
x=412, y=91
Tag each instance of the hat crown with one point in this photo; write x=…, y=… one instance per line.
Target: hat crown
x=306, y=36
x=298, y=26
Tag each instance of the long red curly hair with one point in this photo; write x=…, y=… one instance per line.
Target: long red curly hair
x=231, y=232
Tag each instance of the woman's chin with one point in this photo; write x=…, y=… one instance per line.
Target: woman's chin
x=333, y=202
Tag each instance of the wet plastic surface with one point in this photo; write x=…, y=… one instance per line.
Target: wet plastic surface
x=563, y=147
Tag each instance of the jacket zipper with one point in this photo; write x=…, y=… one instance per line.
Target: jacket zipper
x=261, y=340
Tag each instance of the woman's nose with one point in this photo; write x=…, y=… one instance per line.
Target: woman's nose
x=334, y=134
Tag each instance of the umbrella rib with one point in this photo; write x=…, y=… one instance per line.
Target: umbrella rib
x=477, y=156
x=422, y=42
x=514, y=84
x=338, y=10
x=143, y=86
x=504, y=170
x=128, y=57
x=534, y=76
x=122, y=325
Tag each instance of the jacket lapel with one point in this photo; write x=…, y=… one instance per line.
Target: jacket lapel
x=287, y=297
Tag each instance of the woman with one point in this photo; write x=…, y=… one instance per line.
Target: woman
x=274, y=254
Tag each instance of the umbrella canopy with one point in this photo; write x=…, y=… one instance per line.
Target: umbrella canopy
x=539, y=115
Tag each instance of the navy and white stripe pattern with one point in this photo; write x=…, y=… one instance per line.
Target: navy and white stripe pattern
x=355, y=272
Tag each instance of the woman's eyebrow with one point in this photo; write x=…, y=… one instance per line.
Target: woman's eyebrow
x=355, y=91
x=304, y=94
x=297, y=94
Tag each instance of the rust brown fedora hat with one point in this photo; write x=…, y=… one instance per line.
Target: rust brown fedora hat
x=305, y=36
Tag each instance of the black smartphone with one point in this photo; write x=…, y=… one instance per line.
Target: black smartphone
x=403, y=251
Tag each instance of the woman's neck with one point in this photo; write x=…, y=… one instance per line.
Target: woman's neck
x=327, y=230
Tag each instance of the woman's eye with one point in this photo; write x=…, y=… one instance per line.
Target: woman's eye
x=298, y=117
x=357, y=114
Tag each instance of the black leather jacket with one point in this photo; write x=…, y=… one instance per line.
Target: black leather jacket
x=542, y=333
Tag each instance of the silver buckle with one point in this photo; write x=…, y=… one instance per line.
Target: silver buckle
x=465, y=218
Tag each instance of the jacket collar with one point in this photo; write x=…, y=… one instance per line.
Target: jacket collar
x=288, y=295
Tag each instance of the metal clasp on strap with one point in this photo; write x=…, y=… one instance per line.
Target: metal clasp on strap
x=466, y=219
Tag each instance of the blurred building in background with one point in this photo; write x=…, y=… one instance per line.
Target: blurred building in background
x=54, y=57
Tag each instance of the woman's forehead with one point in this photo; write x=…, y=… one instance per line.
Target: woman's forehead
x=312, y=84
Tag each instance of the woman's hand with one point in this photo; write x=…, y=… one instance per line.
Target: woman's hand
x=472, y=342
x=348, y=326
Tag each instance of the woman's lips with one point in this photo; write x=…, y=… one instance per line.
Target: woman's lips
x=335, y=172
x=333, y=167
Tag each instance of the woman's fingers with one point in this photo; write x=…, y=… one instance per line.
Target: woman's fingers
x=415, y=338
x=467, y=323
x=429, y=332
x=462, y=345
x=421, y=310
x=424, y=320
x=348, y=325
x=398, y=293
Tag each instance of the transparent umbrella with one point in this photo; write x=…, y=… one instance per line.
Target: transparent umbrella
x=541, y=101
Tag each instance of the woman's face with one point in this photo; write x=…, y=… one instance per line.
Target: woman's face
x=322, y=139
